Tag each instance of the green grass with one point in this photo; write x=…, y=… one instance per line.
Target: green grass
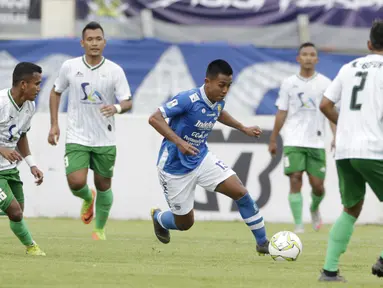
x=211, y=254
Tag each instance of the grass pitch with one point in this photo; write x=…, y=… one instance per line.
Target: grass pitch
x=211, y=254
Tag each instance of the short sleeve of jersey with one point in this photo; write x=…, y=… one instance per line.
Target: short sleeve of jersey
x=283, y=99
x=62, y=81
x=334, y=91
x=122, y=88
x=177, y=105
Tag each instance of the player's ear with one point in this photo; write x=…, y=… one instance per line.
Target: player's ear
x=82, y=43
x=369, y=45
x=297, y=58
x=207, y=80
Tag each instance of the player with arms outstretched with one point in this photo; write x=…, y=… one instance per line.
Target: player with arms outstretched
x=94, y=83
x=16, y=111
x=304, y=125
x=359, y=144
x=185, y=161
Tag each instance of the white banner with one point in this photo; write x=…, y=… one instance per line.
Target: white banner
x=136, y=188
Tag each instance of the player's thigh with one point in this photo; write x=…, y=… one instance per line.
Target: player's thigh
x=316, y=163
x=179, y=191
x=294, y=159
x=372, y=171
x=352, y=185
x=102, y=160
x=76, y=157
x=213, y=173
x=6, y=195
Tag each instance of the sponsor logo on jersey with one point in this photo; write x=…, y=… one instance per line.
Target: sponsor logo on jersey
x=91, y=96
x=204, y=125
x=194, y=97
x=172, y=103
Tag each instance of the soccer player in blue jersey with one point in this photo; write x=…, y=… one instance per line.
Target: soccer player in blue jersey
x=185, y=161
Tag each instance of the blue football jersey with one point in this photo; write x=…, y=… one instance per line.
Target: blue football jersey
x=191, y=116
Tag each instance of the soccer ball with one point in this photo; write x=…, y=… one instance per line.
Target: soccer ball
x=285, y=246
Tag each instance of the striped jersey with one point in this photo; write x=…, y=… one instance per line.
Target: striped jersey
x=359, y=87
x=90, y=88
x=305, y=124
x=14, y=121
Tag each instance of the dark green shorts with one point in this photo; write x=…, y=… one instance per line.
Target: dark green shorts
x=311, y=160
x=353, y=175
x=100, y=159
x=10, y=187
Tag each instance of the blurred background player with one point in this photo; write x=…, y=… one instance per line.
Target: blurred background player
x=359, y=144
x=304, y=133
x=94, y=82
x=16, y=111
x=184, y=160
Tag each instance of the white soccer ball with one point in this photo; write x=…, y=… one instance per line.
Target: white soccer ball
x=285, y=246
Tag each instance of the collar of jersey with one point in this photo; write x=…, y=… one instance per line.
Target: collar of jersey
x=375, y=56
x=13, y=101
x=204, y=97
x=307, y=79
x=94, y=67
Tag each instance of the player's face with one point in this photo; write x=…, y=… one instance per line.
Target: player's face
x=93, y=42
x=31, y=86
x=217, y=88
x=308, y=57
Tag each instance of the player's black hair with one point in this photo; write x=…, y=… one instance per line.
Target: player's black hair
x=92, y=26
x=23, y=71
x=218, y=66
x=376, y=34
x=306, y=44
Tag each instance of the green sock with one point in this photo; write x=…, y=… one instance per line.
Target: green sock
x=22, y=232
x=104, y=202
x=315, y=201
x=296, y=202
x=83, y=193
x=340, y=235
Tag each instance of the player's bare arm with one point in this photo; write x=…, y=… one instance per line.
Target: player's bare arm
x=328, y=109
x=333, y=130
x=280, y=119
x=228, y=120
x=54, y=103
x=23, y=147
x=158, y=122
x=110, y=110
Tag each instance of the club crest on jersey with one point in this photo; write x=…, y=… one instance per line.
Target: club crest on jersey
x=91, y=96
x=172, y=103
x=219, y=108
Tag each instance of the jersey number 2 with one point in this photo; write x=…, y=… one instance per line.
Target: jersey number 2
x=357, y=89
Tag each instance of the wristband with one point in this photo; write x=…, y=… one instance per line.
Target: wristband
x=118, y=108
x=30, y=161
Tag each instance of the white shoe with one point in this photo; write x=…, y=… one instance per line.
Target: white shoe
x=316, y=220
x=299, y=229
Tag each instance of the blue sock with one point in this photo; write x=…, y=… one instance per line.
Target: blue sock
x=166, y=220
x=252, y=217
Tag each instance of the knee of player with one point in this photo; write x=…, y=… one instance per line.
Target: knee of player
x=185, y=226
x=318, y=188
x=15, y=215
x=296, y=178
x=76, y=184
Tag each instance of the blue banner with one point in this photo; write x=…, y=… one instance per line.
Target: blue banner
x=158, y=70
x=351, y=13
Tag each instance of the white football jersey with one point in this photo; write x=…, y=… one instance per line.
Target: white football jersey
x=359, y=87
x=305, y=123
x=89, y=89
x=14, y=121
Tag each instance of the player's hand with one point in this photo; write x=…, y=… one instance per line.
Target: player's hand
x=10, y=154
x=39, y=176
x=273, y=148
x=54, y=135
x=253, y=131
x=108, y=110
x=187, y=149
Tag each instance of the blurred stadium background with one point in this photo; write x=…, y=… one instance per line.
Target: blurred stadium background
x=164, y=47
